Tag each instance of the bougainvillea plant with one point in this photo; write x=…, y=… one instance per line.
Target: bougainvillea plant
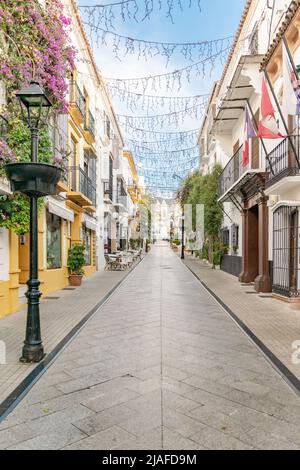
x=6, y=156
x=34, y=44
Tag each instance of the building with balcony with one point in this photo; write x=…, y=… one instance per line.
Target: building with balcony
x=242, y=186
x=283, y=163
x=80, y=138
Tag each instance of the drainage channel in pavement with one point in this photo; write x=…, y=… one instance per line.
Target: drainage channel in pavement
x=281, y=369
x=14, y=398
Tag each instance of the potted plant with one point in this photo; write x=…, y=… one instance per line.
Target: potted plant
x=76, y=262
x=175, y=244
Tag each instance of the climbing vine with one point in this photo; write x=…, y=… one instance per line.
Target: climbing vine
x=35, y=44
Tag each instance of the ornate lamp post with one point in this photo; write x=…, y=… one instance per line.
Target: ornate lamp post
x=35, y=180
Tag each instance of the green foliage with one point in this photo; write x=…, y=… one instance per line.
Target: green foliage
x=176, y=242
x=203, y=189
x=217, y=258
x=204, y=252
x=76, y=260
x=15, y=213
x=18, y=139
x=135, y=244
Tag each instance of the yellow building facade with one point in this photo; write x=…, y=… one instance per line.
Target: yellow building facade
x=69, y=217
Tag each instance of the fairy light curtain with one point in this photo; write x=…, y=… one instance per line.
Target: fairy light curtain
x=170, y=81
x=135, y=10
x=146, y=49
x=153, y=110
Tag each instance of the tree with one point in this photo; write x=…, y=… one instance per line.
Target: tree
x=203, y=189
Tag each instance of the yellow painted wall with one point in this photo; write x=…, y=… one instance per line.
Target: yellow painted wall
x=9, y=290
x=54, y=279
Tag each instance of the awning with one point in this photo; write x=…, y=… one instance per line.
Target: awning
x=60, y=210
x=247, y=184
x=232, y=103
x=89, y=222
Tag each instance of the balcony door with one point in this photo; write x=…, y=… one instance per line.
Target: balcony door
x=73, y=161
x=293, y=125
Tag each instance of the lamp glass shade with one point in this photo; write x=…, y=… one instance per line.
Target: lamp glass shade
x=33, y=96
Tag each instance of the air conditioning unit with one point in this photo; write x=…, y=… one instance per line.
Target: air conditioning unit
x=273, y=199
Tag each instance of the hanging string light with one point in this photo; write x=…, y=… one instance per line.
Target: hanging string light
x=160, y=138
x=130, y=10
x=142, y=101
x=145, y=152
x=186, y=140
x=184, y=168
x=169, y=81
x=145, y=49
x=160, y=120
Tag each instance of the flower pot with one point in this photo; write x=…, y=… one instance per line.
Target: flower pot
x=33, y=179
x=75, y=280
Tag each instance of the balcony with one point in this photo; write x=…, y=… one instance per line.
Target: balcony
x=82, y=190
x=77, y=103
x=121, y=199
x=89, y=128
x=108, y=190
x=281, y=162
x=236, y=177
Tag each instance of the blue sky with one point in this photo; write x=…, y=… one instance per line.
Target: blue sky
x=218, y=19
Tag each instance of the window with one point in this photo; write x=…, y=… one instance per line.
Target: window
x=225, y=237
x=53, y=241
x=107, y=130
x=235, y=238
x=86, y=239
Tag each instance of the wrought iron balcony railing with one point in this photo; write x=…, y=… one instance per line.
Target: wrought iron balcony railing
x=121, y=198
x=282, y=161
x=234, y=169
x=108, y=189
x=80, y=181
x=90, y=124
x=77, y=98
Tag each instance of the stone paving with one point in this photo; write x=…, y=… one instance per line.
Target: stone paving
x=160, y=366
x=275, y=322
x=59, y=314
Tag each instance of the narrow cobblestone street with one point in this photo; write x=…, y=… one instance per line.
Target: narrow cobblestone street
x=160, y=366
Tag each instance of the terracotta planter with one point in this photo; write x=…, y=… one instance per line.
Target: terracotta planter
x=33, y=179
x=75, y=280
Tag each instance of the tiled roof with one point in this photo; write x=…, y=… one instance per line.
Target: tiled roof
x=294, y=6
x=236, y=38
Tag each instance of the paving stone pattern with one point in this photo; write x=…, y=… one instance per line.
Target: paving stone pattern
x=160, y=366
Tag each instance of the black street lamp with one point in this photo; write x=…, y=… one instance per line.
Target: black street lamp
x=175, y=176
x=182, y=234
x=34, y=105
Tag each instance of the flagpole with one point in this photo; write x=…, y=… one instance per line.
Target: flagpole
x=260, y=138
x=282, y=117
x=290, y=57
